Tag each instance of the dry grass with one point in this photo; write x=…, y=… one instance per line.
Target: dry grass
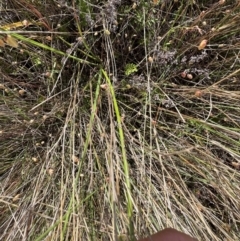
x=114, y=124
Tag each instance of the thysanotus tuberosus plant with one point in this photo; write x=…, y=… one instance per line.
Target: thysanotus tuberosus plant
x=119, y=118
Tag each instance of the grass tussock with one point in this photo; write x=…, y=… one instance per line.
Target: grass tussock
x=119, y=118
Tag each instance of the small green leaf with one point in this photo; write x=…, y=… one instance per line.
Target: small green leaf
x=130, y=68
